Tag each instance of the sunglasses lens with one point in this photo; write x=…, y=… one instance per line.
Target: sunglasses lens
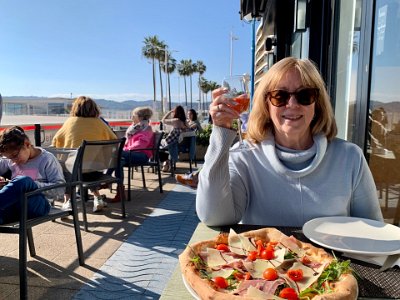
x=279, y=98
x=306, y=96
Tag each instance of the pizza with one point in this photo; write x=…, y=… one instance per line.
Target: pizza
x=265, y=264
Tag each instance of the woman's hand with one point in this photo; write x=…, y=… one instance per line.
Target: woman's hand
x=3, y=181
x=221, y=110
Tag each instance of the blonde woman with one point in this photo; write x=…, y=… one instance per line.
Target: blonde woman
x=83, y=124
x=297, y=169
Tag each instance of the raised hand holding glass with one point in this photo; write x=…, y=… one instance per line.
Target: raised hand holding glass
x=237, y=90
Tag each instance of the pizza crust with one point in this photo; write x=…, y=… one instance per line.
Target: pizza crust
x=344, y=289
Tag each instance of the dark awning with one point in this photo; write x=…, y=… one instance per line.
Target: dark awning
x=255, y=8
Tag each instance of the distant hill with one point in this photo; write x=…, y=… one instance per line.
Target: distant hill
x=103, y=103
x=389, y=107
x=124, y=105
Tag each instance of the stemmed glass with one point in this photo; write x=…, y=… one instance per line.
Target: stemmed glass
x=238, y=91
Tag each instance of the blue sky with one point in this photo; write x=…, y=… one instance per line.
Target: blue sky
x=93, y=47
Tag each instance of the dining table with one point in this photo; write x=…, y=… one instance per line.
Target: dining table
x=372, y=283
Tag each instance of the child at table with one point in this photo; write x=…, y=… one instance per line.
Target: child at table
x=31, y=168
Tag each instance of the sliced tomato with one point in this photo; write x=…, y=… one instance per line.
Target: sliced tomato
x=272, y=243
x=260, y=246
x=305, y=260
x=223, y=247
x=288, y=293
x=252, y=255
x=239, y=276
x=270, y=274
x=259, y=243
x=267, y=254
x=247, y=276
x=221, y=282
x=295, y=274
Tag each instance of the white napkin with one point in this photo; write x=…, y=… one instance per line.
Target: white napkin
x=376, y=260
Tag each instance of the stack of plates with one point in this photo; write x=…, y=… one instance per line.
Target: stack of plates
x=354, y=236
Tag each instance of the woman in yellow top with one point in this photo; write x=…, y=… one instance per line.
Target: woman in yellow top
x=83, y=124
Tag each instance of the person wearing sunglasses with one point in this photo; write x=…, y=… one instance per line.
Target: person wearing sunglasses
x=295, y=168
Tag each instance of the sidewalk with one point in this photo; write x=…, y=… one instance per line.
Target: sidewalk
x=125, y=259
x=142, y=266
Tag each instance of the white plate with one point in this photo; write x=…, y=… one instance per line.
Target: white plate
x=354, y=235
x=189, y=288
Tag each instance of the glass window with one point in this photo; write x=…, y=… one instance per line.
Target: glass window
x=384, y=106
x=345, y=66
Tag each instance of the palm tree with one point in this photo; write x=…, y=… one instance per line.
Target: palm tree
x=150, y=51
x=200, y=68
x=184, y=70
x=203, y=86
x=161, y=48
x=212, y=85
x=171, y=66
x=191, y=70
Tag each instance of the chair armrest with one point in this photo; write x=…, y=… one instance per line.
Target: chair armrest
x=50, y=187
x=134, y=150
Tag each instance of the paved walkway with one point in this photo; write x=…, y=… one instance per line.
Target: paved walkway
x=142, y=266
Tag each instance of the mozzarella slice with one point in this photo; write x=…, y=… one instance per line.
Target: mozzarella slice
x=222, y=273
x=309, y=275
x=279, y=257
x=257, y=267
x=239, y=244
x=215, y=258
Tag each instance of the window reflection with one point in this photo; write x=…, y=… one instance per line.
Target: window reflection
x=384, y=106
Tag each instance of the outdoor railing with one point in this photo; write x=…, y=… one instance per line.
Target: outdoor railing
x=42, y=134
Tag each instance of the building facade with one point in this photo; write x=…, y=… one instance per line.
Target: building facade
x=356, y=45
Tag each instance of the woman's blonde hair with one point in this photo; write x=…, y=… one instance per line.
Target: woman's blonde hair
x=260, y=123
x=143, y=113
x=85, y=107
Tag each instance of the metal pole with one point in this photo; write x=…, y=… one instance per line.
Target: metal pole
x=253, y=50
x=231, y=55
x=166, y=75
x=179, y=89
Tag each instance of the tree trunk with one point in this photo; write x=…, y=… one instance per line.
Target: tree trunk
x=199, y=92
x=161, y=89
x=184, y=78
x=169, y=93
x=154, y=84
x=191, y=96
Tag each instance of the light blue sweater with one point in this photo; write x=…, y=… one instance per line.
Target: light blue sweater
x=281, y=187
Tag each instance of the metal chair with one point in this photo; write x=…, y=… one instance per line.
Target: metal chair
x=188, y=145
x=154, y=162
x=68, y=159
x=24, y=229
x=96, y=158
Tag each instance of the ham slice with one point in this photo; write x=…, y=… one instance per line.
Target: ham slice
x=268, y=287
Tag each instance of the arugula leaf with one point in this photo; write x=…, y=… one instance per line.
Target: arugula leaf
x=332, y=273
x=204, y=274
x=200, y=265
x=198, y=262
x=290, y=255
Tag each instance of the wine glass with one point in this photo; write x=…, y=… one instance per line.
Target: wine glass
x=238, y=91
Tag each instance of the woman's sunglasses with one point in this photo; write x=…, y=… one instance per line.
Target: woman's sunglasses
x=304, y=97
